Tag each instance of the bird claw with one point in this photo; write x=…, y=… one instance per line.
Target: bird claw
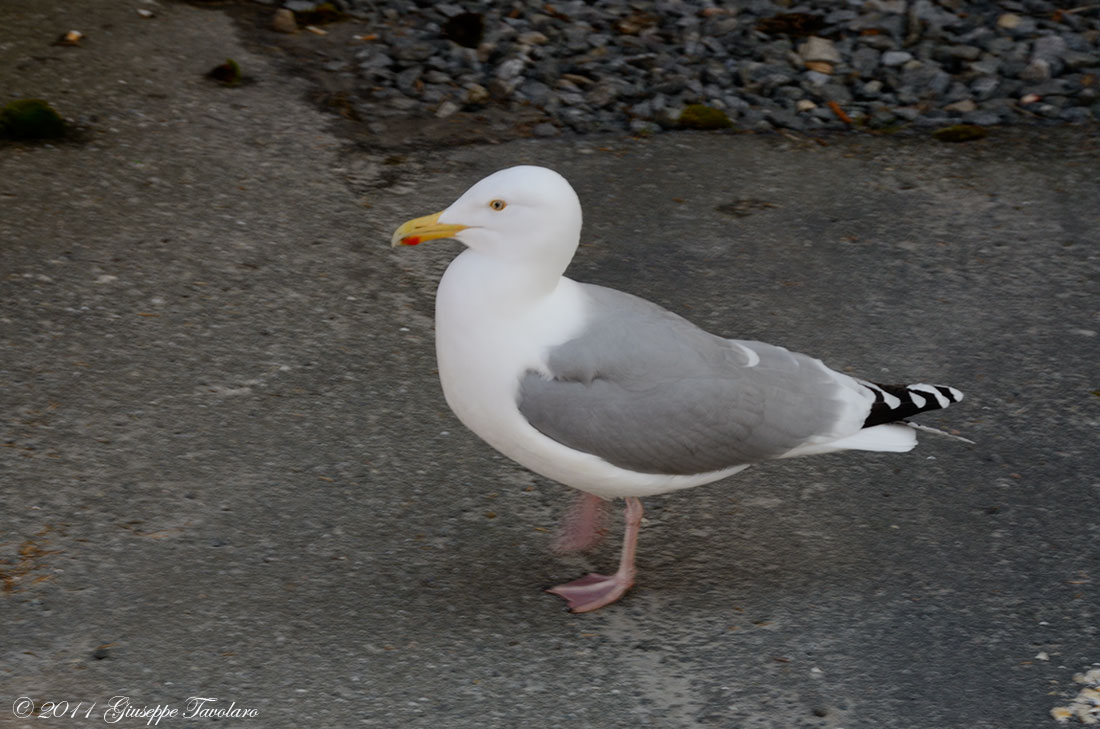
x=593, y=591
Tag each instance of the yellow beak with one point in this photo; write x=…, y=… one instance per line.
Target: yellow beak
x=419, y=230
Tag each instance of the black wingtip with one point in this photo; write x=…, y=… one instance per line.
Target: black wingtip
x=898, y=402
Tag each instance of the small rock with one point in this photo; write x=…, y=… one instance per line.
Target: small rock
x=421, y=51
x=926, y=80
x=1021, y=27
x=717, y=73
x=956, y=92
x=896, y=58
x=403, y=103
x=803, y=105
x=882, y=118
x=532, y=38
x=283, y=21
x=511, y=68
x=1050, y=87
x=838, y=92
x=71, y=38
x=989, y=65
x=792, y=93
x=476, y=94
x=447, y=9
x=932, y=15
x=643, y=109
x=963, y=53
x=446, y=109
x=545, y=129
x=888, y=6
x=602, y=94
x=985, y=86
x=819, y=49
x=786, y=119
x=536, y=92
x=1008, y=21
x=668, y=118
x=1037, y=70
x=407, y=80
x=1076, y=115
x=962, y=106
x=500, y=88
x=570, y=98
x=871, y=89
x=820, y=66
x=865, y=61
x=1076, y=60
x=1049, y=48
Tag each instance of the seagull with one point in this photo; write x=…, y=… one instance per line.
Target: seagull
x=611, y=394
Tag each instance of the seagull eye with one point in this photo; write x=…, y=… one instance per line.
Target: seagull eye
x=498, y=204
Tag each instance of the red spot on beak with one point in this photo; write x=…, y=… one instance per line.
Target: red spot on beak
x=411, y=240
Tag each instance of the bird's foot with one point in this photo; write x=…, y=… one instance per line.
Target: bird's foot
x=593, y=591
x=583, y=526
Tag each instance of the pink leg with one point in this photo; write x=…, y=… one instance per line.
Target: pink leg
x=583, y=526
x=593, y=591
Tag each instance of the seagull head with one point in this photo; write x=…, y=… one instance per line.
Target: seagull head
x=521, y=214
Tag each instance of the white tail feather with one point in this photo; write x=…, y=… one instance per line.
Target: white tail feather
x=937, y=431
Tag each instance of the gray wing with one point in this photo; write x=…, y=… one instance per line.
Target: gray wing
x=649, y=391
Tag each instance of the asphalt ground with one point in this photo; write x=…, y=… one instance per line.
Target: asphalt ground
x=228, y=471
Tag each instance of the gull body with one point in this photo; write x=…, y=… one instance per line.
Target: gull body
x=484, y=349
x=610, y=394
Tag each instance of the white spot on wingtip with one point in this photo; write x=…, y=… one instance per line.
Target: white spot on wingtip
x=893, y=402
x=930, y=390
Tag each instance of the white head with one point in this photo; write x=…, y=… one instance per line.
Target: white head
x=520, y=214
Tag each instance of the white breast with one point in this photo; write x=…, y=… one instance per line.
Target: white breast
x=488, y=337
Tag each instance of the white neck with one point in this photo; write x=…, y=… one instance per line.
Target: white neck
x=500, y=284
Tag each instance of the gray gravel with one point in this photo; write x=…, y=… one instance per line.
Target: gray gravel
x=610, y=66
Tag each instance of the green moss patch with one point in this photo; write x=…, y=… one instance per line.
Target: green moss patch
x=960, y=133
x=227, y=74
x=31, y=119
x=701, y=116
